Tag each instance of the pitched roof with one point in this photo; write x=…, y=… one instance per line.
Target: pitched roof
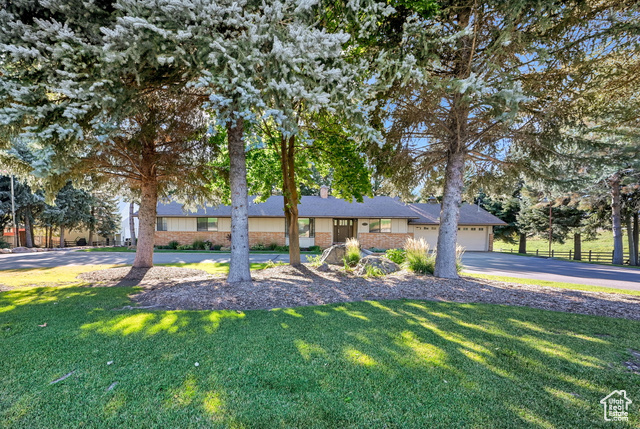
x=310, y=206
x=470, y=214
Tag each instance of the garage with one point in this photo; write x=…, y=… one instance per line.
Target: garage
x=475, y=231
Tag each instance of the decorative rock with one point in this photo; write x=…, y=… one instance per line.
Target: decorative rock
x=5, y=250
x=22, y=250
x=225, y=249
x=334, y=255
x=384, y=264
x=324, y=268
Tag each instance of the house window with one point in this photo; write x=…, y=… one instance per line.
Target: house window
x=207, y=224
x=379, y=225
x=161, y=224
x=480, y=229
x=473, y=229
x=465, y=229
x=433, y=228
x=306, y=227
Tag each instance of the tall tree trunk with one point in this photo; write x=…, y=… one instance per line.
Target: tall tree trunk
x=28, y=231
x=458, y=118
x=522, y=244
x=146, y=223
x=629, y=222
x=147, y=214
x=449, y=214
x=636, y=236
x=239, y=266
x=290, y=192
x=616, y=219
x=577, y=246
x=62, y=236
x=50, y=245
x=132, y=225
x=92, y=226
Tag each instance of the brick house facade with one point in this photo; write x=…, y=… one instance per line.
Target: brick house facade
x=379, y=222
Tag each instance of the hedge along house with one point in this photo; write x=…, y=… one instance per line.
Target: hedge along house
x=378, y=222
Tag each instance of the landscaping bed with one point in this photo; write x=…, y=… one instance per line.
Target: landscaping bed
x=286, y=286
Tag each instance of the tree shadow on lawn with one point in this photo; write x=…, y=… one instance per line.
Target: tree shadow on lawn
x=376, y=363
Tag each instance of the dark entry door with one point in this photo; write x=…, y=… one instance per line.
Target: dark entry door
x=342, y=229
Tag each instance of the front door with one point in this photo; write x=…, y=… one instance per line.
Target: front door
x=342, y=229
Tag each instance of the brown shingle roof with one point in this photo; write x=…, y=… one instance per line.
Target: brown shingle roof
x=310, y=206
x=470, y=214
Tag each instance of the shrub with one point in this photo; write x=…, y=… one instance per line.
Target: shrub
x=371, y=271
x=4, y=244
x=173, y=244
x=315, y=249
x=281, y=248
x=396, y=255
x=259, y=246
x=199, y=245
x=352, y=252
x=216, y=247
x=417, y=256
x=184, y=247
x=272, y=264
x=314, y=261
x=273, y=246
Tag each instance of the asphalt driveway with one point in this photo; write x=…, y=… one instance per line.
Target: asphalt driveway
x=501, y=264
x=529, y=267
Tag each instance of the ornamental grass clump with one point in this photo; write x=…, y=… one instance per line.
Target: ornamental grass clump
x=459, y=253
x=417, y=256
x=352, y=252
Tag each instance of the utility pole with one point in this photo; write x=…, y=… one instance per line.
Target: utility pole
x=550, y=228
x=16, y=231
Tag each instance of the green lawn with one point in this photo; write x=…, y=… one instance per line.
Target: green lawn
x=603, y=243
x=399, y=364
x=562, y=285
x=66, y=276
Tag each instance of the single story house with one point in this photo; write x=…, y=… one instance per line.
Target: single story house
x=378, y=222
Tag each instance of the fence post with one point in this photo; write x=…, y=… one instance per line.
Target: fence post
x=536, y=252
x=612, y=255
x=589, y=255
x=570, y=255
x=552, y=252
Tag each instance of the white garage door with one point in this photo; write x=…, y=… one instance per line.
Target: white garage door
x=472, y=238
x=429, y=233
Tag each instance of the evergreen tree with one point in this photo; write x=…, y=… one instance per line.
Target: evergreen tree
x=485, y=91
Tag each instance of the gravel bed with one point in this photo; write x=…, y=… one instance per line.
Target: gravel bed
x=286, y=286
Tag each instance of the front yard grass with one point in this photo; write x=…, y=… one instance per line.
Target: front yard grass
x=404, y=364
x=66, y=275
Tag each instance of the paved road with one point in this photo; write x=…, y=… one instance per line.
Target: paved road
x=528, y=267
x=501, y=264
x=68, y=257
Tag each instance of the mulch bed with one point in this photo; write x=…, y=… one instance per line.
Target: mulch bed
x=286, y=286
x=127, y=276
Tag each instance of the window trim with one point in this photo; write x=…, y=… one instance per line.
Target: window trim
x=312, y=227
x=207, y=224
x=380, y=231
x=161, y=223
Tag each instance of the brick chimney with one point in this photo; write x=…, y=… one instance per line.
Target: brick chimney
x=324, y=191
